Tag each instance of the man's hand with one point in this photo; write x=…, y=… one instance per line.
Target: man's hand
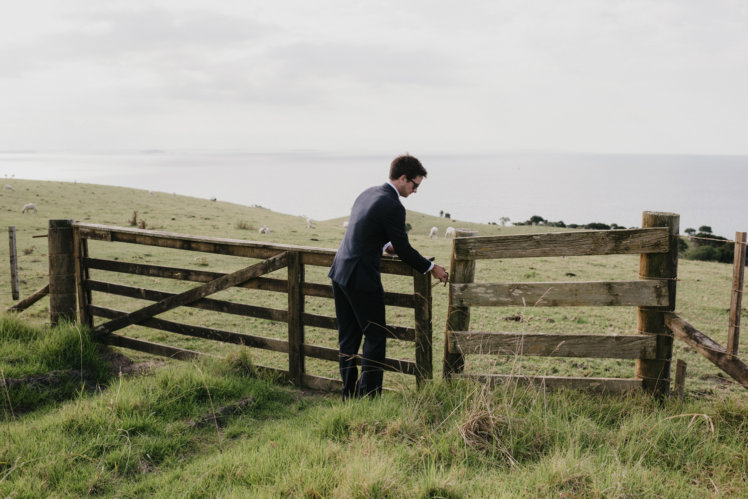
x=440, y=273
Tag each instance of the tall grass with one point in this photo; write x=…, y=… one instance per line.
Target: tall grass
x=213, y=429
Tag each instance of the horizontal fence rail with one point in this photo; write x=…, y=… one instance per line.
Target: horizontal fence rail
x=273, y=257
x=639, y=346
x=578, y=243
x=653, y=293
x=562, y=294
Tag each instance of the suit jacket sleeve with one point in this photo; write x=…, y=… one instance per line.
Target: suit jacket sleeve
x=394, y=223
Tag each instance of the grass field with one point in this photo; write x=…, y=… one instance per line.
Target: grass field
x=149, y=435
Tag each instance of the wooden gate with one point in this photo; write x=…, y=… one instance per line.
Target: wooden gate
x=653, y=293
x=274, y=257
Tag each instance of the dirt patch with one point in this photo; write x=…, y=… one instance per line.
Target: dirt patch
x=122, y=364
x=221, y=414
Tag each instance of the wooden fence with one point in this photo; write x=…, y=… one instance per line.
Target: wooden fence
x=653, y=293
x=74, y=247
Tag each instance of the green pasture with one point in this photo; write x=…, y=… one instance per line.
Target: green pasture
x=703, y=295
x=215, y=428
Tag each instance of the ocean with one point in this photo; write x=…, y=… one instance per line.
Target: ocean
x=573, y=188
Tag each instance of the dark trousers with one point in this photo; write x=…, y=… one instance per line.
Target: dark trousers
x=360, y=314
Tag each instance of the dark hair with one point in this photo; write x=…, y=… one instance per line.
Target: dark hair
x=406, y=165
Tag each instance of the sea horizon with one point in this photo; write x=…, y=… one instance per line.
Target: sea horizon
x=576, y=188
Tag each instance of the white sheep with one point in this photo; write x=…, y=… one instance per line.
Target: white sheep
x=345, y=224
x=264, y=230
x=309, y=223
x=450, y=233
x=28, y=207
x=433, y=232
x=8, y=187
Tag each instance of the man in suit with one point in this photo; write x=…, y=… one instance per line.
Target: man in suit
x=376, y=224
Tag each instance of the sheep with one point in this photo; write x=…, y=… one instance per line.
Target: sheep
x=264, y=230
x=433, y=232
x=8, y=187
x=309, y=223
x=28, y=207
x=345, y=224
x=450, y=233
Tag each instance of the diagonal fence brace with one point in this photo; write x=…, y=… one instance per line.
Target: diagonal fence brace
x=240, y=276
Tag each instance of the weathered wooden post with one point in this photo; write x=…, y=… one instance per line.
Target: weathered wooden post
x=680, y=378
x=296, y=366
x=423, y=302
x=62, y=289
x=736, y=300
x=13, y=263
x=80, y=248
x=655, y=373
x=458, y=317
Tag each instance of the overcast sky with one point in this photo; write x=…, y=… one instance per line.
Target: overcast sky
x=638, y=76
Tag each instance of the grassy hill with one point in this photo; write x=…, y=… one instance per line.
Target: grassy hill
x=214, y=429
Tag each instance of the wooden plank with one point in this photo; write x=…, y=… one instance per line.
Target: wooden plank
x=458, y=315
x=736, y=299
x=296, y=363
x=261, y=283
x=597, y=385
x=708, y=348
x=679, y=387
x=332, y=354
x=554, y=345
x=194, y=294
x=82, y=275
x=221, y=246
x=14, y=289
x=576, y=243
x=395, y=332
x=423, y=329
x=561, y=294
x=181, y=274
x=248, y=340
x=149, y=347
x=203, y=303
x=30, y=300
x=236, y=247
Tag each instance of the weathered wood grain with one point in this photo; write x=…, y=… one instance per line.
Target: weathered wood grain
x=14, y=289
x=736, y=298
x=423, y=329
x=296, y=364
x=708, y=348
x=458, y=315
x=554, y=345
x=663, y=267
x=203, y=303
x=577, y=243
x=82, y=274
x=598, y=385
x=235, y=247
x=260, y=283
x=269, y=265
x=30, y=300
x=248, y=340
x=561, y=294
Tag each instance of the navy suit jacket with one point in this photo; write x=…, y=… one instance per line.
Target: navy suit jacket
x=377, y=217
